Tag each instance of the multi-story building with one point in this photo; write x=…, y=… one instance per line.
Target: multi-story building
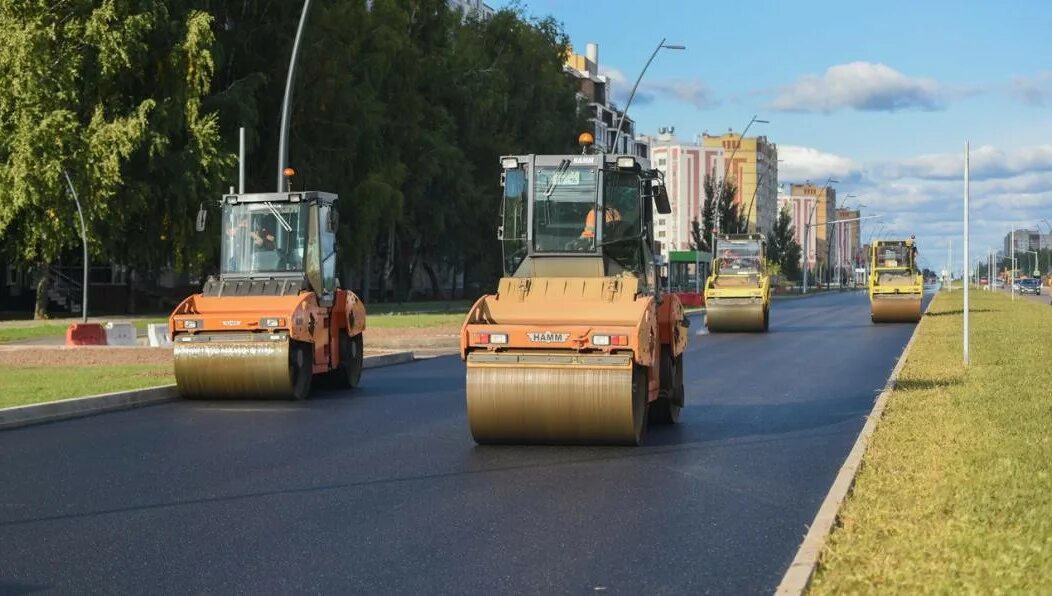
x=683, y=167
x=1024, y=240
x=754, y=171
x=824, y=208
x=604, y=115
x=469, y=7
x=799, y=208
x=848, y=252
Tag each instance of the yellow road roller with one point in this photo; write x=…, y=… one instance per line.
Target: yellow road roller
x=578, y=345
x=895, y=285
x=738, y=292
x=275, y=316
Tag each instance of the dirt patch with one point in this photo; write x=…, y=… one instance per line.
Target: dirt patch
x=377, y=341
x=83, y=356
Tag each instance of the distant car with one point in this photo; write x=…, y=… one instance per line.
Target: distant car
x=983, y=281
x=999, y=283
x=1030, y=286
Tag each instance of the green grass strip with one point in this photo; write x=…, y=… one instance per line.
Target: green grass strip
x=38, y=384
x=955, y=491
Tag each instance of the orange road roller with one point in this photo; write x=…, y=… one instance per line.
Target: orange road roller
x=578, y=345
x=275, y=317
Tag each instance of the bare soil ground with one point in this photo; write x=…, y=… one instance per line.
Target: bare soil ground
x=431, y=340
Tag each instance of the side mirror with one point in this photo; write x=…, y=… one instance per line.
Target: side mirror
x=500, y=232
x=664, y=207
x=202, y=218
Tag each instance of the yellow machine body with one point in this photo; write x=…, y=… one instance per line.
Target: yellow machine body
x=572, y=347
x=896, y=287
x=738, y=293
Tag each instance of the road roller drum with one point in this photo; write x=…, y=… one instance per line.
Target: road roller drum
x=729, y=314
x=231, y=369
x=555, y=398
x=904, y=309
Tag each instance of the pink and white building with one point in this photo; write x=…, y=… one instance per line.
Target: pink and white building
x=800, y=208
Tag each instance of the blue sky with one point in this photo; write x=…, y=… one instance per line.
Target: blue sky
x=882, y=96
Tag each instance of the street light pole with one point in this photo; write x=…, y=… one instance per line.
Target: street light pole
x=84, y=241
x=283, y=139
x=628, y=104
x=967, y=257
x=723, y=183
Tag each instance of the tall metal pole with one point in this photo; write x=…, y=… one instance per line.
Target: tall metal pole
x=241, y=160
x=723, y=183
x=967, y=256
x=84, y=241
x=1011, y=274
x=283, y=140
x=621, y=120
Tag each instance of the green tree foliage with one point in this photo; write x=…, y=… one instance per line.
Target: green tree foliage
x=698, y=240
x=719, y=208
x=782, y=247
x=402, y=107
x=110, y=92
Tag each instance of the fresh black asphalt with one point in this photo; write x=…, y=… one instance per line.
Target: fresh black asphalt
x=381, y=490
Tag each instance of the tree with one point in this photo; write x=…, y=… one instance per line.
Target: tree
x=110, y=94
x=782, y=247
x=719, y=200
x=698, y=241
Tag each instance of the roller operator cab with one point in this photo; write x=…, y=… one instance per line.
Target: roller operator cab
x=578, y=344
x=275, y=316
x=738, y=293
x=895, y=285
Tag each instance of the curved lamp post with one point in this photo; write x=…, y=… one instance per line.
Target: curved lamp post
x=726, y=168
x=283, y=141
x=84, y=241
x=621, y=121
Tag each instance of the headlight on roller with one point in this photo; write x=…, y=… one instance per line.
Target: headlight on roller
x=192, y=324
x=272, y=322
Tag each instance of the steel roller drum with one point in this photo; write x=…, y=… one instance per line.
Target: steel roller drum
x=554, y=398
x=897, y=309
x=725, y=315
x=242, y=369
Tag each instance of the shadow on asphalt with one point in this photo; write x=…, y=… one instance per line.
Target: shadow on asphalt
x=923, y=384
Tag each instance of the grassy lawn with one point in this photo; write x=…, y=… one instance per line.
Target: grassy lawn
x=43, y=329
x=36, y=384
x=405, y=321
x=955, y=491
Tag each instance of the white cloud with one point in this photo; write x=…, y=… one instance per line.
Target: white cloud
x=691, y=91
x=923, y=194
x=1034, y=91
x=986, y=162
x=863, y=86
x=806, y=163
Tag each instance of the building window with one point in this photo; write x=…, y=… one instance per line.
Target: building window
x=661, y=234
x=661, y=162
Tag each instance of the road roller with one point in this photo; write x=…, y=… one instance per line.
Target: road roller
x=738, y=292
x=275, y=317
x=895, y=285
x=578, y=345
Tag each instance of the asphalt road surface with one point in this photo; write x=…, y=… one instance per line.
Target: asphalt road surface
x=382, y=490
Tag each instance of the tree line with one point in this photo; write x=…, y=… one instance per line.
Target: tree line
x=402, y=107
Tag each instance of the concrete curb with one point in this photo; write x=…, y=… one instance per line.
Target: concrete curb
x=84, y=406
x=801, y=571
x=53, y=411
